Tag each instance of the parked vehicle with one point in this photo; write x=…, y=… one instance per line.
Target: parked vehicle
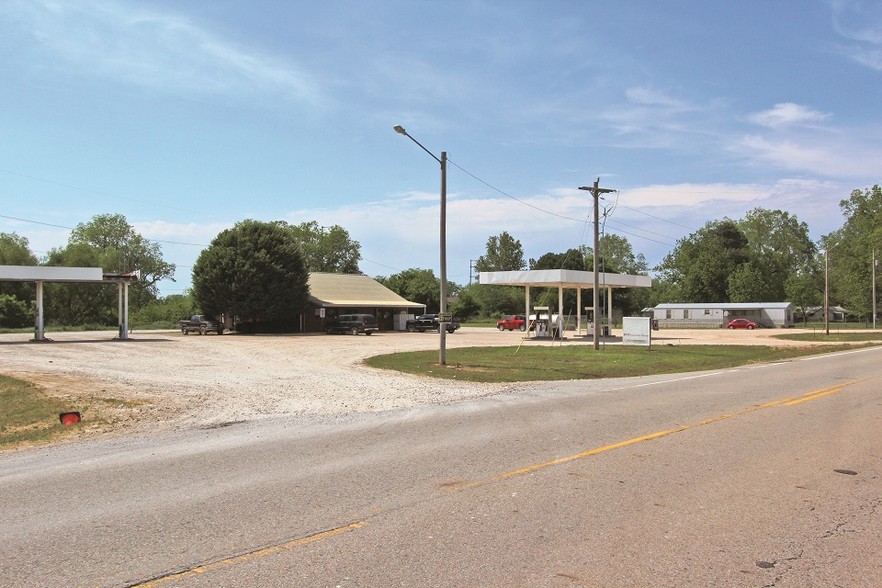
x=202, y=324
x=742, y=323
x=352, y=324
x=515, y=321
x=430, y=322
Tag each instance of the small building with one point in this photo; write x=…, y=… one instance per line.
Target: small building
x=713, y=315
x=331, y=295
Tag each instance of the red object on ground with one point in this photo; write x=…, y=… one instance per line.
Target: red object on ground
x=69, y=418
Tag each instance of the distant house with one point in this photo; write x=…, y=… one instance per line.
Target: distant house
x=331, y=295
x=715, y=315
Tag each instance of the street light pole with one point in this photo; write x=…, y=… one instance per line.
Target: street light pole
x=442, y=311
x=596, y=191
x=875, y=261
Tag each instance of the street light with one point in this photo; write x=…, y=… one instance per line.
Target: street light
x=442, y=312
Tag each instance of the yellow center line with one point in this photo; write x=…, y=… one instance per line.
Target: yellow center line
x=251, y=555
x=288, y=545
x=813, y=395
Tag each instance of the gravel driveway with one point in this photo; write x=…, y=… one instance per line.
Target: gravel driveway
x=162, y=378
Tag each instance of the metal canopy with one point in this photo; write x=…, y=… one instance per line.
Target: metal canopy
x=89, y=275
x=563, y=278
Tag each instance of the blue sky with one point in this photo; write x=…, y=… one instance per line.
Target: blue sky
x=187, y=117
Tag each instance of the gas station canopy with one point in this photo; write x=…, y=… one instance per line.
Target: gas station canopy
x=90, y=275
x=562, y=278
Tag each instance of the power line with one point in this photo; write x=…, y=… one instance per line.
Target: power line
x=26, y=220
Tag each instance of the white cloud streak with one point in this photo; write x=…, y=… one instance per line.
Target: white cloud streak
x=134, y=45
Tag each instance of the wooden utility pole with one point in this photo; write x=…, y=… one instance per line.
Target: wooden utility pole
x=596, y=191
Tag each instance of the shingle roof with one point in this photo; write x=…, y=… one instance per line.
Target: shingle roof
x=353, y=290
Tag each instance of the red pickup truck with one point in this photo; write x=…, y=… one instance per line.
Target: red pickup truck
x=517, y=321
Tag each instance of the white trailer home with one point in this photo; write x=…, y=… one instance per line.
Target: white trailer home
x=715, y=315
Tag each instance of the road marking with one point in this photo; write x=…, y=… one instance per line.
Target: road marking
x=813, y=395
x=251, y=555
x=458, y=487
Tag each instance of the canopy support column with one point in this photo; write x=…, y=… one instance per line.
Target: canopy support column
x=39, y=331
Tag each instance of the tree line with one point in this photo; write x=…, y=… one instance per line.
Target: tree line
x=258, y=271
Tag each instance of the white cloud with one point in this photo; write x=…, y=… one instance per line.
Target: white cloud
x=144, y=47
x=787, y=114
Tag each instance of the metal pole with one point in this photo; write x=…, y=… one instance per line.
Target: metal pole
x=442, y=324
x=874, y=288
x=826, y=292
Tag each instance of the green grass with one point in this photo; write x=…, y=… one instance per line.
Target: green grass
x=833, y=337
x=28, y=416
x=513, y=364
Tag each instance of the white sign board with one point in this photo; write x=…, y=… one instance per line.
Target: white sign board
x=637, y=330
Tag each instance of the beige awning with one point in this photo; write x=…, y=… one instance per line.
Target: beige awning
x=353, y=290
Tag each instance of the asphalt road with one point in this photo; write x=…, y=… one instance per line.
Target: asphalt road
x=758, y=476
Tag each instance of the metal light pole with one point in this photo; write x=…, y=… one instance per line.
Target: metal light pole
x=875, y=262
x=596, y=191
x=442, y=312
x=826, y=291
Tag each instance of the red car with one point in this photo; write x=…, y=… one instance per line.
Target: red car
x=517, y=321
x=742, y=323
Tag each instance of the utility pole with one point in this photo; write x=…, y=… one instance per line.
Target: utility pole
x=875, y=261
x=596, y=191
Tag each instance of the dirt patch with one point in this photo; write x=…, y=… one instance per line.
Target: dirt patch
x=163, y=379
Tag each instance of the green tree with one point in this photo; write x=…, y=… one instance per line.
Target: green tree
x=327, y=249
x=617, y=257
x=780, y=247
x=123, y=250
x=80, y=304
x=15, y=313
x=700, y=264
x=748, y=283
x=254, y=271
x=168, y=309
x=15, y=250
x=805, y=290
x=107, y=241
x=503, y=253
x=850, y=251
x=417, y=285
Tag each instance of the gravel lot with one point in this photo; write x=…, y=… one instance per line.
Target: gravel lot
x=204, y=381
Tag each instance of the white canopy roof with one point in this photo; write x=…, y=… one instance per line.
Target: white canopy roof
x=563, y=278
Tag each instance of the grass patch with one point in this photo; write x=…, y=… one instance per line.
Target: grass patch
x=28, y=415
x=834, y=337
x=526, y=364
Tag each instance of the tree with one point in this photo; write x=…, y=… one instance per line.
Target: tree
x=254, y=271
x=748, y=283
x=779, y=246
x=416, y=285
x=15, y=250
x=108, y=242
x=14, y=313
x=327, y=249
x=617, y=257
x=573, y=259
x=123, y=250
x=700, y=264
x=850, y=250
x=504, y=253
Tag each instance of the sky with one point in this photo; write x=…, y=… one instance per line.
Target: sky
x=188, y=117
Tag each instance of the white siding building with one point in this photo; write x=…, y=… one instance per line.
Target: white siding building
x=715, y=315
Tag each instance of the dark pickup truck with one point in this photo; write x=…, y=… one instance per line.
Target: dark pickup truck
x=199, y=323
x=430, y=322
